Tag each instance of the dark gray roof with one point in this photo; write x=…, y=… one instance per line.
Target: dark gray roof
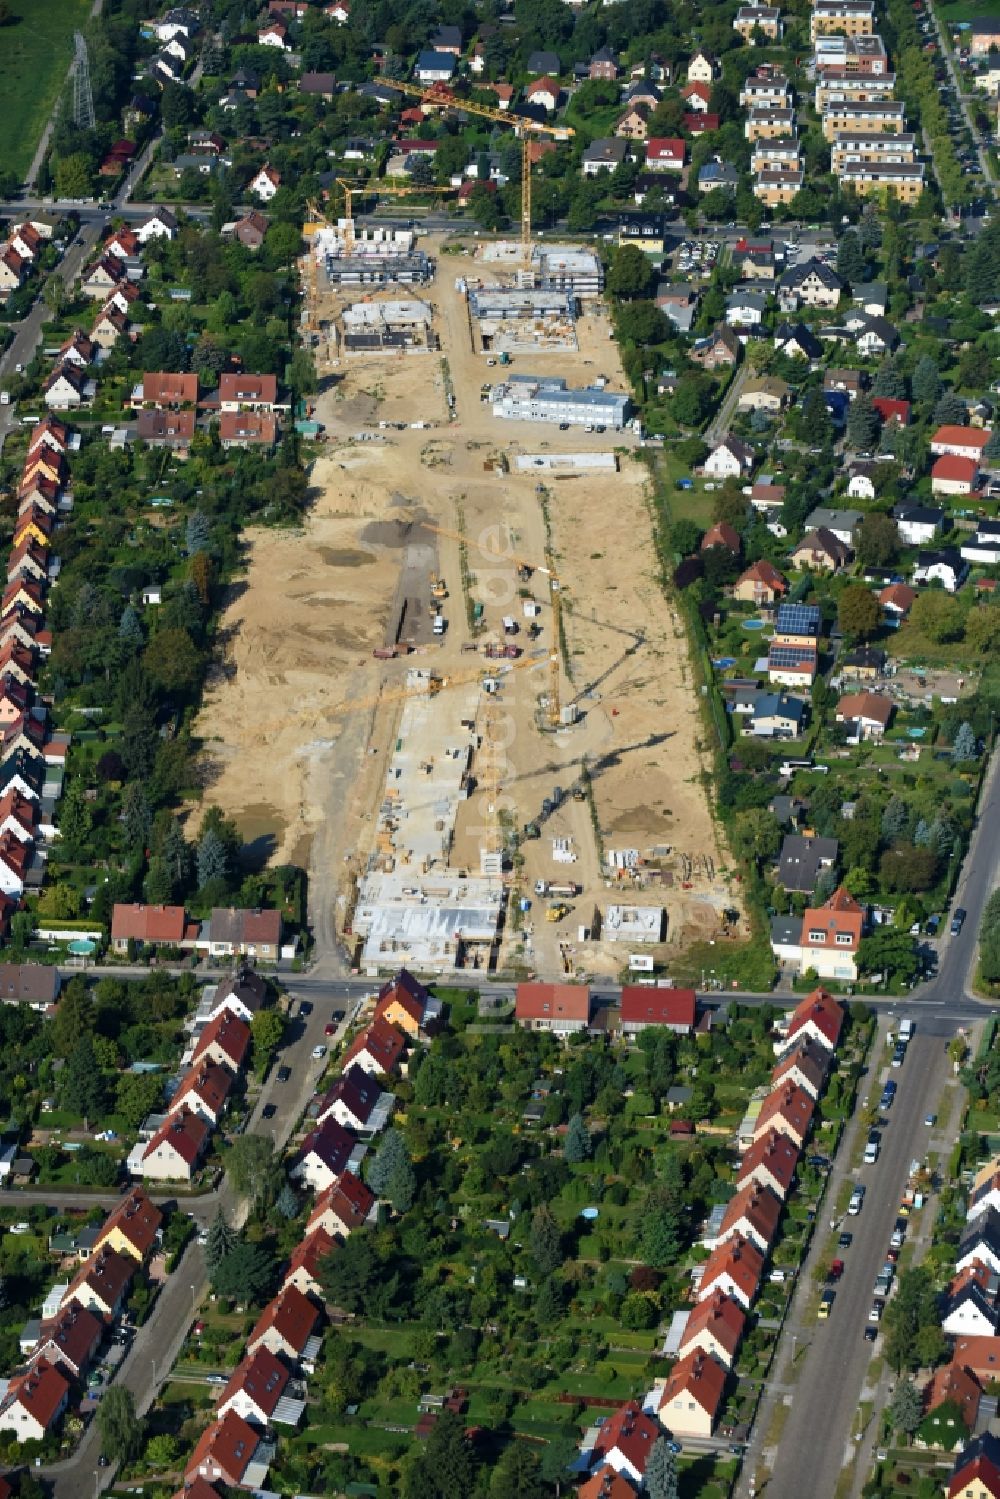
x=801, y=860
x=786, y=930
x=796, y=274
x=246, y=985
x=544, y=62
x=983, y=1230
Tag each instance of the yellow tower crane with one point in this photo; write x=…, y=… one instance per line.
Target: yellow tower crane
x=443, y=98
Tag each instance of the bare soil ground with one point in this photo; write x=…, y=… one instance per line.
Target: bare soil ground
x=299, y=720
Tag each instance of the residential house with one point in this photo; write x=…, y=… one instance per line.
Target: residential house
x=670, y=1009
x=174, y=1152
x=801, y=860
x=344, y=1206
x=719, y=174
x=132, y=1228
x=34, y=984
x=304, y=1266
x=714, y=1326
x=353, y=1100
x=66, y=388
x=34, y=1401
x=251, y=229
x=264, y=184
x=245, y=933
x=980, y=1356
x=285, y=1326
x=377, y=1049
x=944, y=566
x=544, y=92
x=544, y=62
x=830, y=936
x=153, y=926
x=254, y=1388
x=247, y=429
x=247, y=392
x=776, y=187
x=722, y=534
x=604, y=64
x=204, y=1090
x=892, y=411
x=665, y=153
x=111, y=325
x=776, y=715
x=796, y=341
x=768, y=393
x=735, y=1269
x=954, y=1387
x=603, y=155
x=745, y=309
x=959, y=442
x=71, y=1340
x=697, y=96
x=985, y=1192
x=771, y=1160
x=848, y=382
x=718, y=350
x=225, y=1452
x=897, y=601
x=976, y=1474
x=971, y=1313
x=917, y=524
x=164, y=390
x=244, y=993
x=167, y=429
x=762, y=585
x=821, y=551
x=563, y=1009
x=225, y=1041
x=792, y=663
x=788, y=1109
x=102, y=1282
x=876, y=337
x=434, y=67
x=805, y=1065
x=325, y=1154
x=692, y=1396
x=160, y=224
x=731, y=458
x=15, y=858
x=753, y=1213
x=703, y=67
x=843, y=524
x=954, y=475
x=813, y=284
x=765, y=20
x=624, y=1442
x=274, y=34
x=403, y=1002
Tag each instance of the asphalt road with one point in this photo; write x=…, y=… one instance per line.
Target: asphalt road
x=944, y=45
x=832, y=1357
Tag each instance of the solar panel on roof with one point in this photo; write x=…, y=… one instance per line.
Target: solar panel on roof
x=789, y=655
x=798, y=619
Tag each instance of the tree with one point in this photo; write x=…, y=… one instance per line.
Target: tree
x=888, y=952
x=446, y=1467
x=577, y=1145
x=557, y=1457
x=895, y=819
x=661, y=1471
x=350, y=1272
x=173, y=660
x=84, y=1089
x=246, y=1272
x=54, y=294
x=220, y=1240
x=518, y=1474
x=814, y=425
x=137, y=1094
x=545, y=1240
x=162, y=1451
x=964, y=746
x=74, y=1017
x=136, y=816
x=858, y=612
x=938, y=616
x=906, y=1409
x=253, y=1168
x=850, y=258
x=631, y=274
x=641, y=323
x=75, y=817
x=73, y=176
x=878, y=540
x=213, y=861
x=130, y=631
x=890, y=380
x=198, y=533
x=926, y=383
x=267, y=1029
x=287, y=1203
x=390, y=1155
x=950, y=408
x=120, y=1427
x=684, y=537
x=862, y=423
x=991, y=452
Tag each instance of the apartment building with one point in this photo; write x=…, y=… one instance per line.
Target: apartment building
x=842, y=86
x=851, y=147
x=765, y=19
x=904, y=181
x=769, y=124
x=780, y=153
x=881, y=117
x=766, y=89
x=777, y=187
x=850, y=54
x=842, y=18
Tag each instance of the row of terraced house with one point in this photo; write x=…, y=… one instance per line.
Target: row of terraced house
x=704, y=1341
x=267, y=1391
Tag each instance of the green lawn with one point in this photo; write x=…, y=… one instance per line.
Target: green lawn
x=35, y=54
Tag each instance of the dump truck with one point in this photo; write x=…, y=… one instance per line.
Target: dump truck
x=545, y=887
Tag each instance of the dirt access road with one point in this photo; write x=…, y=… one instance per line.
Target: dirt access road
x=300, y=716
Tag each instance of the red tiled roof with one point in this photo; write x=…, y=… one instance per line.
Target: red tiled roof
x=764, y=572
x=246, y=387
x=262, y=1377
x=227, y=1032
x=209, y=1082
x=722, y=534
x=961, y=437
x=980, y=1469
x=775, y=1153
x=40, y=1391
x=72, y=1338
x=406, y=991
x=719, y=1316
x=899, y=595
x=107, y=1274
x=672, y=1007
x=738, y=1259
x=291, y=1315
x=308, y=1255
x=347, y=1198
x=147, y=923
x=809, y=1059
x=606, y=1484
x=698, y=1377
x=788, y=1107
x=819, y=1007
x=137, y=1219
x=953, y=1383
x=247, y=426
x=954, y=468
x=757, y=1206
x=383, y=1043
x=665, y=148
x=185, y=1132
x=979, y=1355
x=537, y=1001
x=227, y=1445
x=865, y=705
x=629, y=1431
x=175, y=390
x=890, y=410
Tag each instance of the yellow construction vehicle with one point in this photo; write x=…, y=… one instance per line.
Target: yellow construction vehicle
x=556, y=913
x=439, y=589
x=443, y=98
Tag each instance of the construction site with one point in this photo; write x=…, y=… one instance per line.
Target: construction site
x=482, y=736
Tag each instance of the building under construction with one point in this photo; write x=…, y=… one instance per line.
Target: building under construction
x=511, y=319
x=389, y=327
x=350, y=256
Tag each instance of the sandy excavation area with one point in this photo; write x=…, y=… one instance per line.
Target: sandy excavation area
x=300, y=716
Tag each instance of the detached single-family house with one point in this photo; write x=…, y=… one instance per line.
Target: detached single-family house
x=718, y=350
x=665, y=153
x=603, y=155
x=285, y=1326
x=821, y=550
x=955, y=475
x=917, y=525
x=668, y=1009
x=730, y=459
x=378, y=1049
x=866, y=714
x=959, y=442
x=153, y=926
x=801, y=860
x=176, y=1149
x=955, y=1388
x=434, y=67
x=563, y=1009
x=830, y=937
x=762, y=585
x=264, y=184
x=971, y=1313
x=404, y=1002
x=769, y=393
x=945, y=566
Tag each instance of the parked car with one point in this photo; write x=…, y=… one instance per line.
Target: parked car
x=958, y=921
x=825, y=1304
x=319, y=1051
x=845, y=1241
x=284, y=1073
